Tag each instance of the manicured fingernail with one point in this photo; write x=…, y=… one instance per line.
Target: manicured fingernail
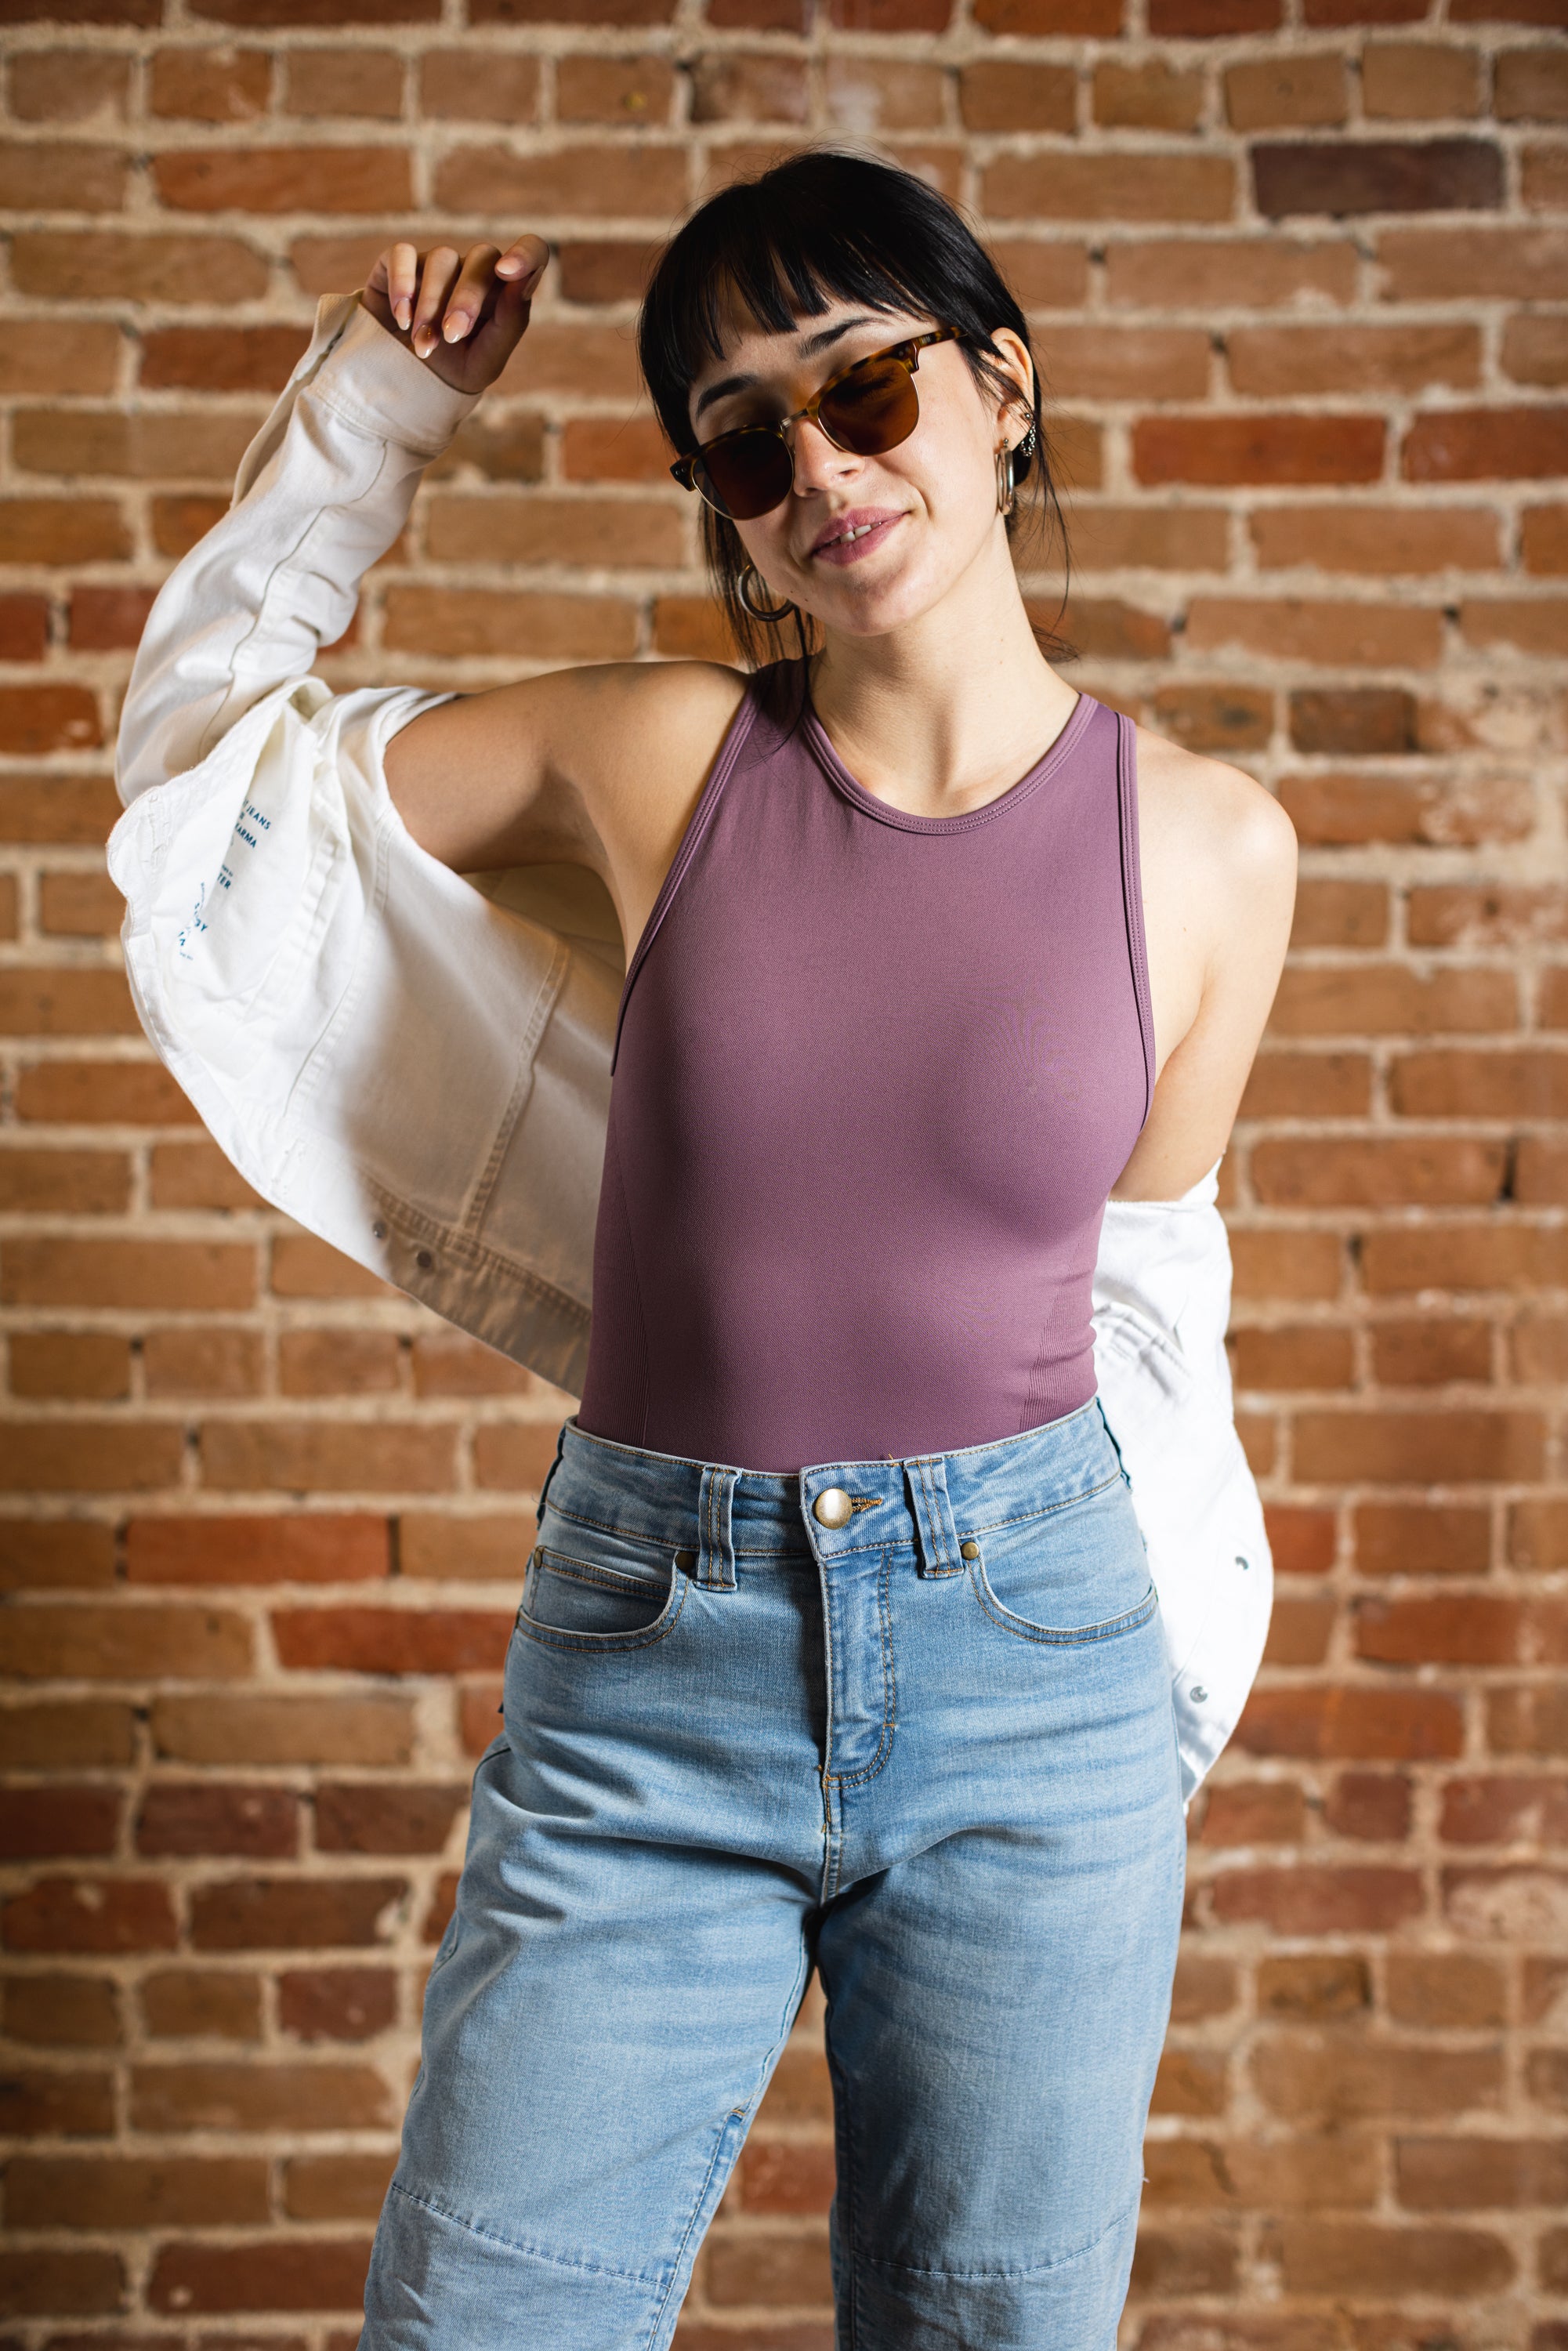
x=455, y=324
x=402, y=310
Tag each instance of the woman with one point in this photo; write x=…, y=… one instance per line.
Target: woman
x=839, y=1646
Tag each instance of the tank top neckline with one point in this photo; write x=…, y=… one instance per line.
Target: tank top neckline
x=905, y=820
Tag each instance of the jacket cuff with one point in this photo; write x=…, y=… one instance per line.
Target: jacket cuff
x=376, y=382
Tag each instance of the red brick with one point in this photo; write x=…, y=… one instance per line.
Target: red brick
x=1355, y=537
x=336, y=2003
x=1374, y=1174
x=1263, y=94
x=367, y=83
x=1376, y=175
x=206, y=2004
x=292, y=1913
x=1094, y=20
x=1153, y=95
x=1463, y=1258
x=1303, y=1541
x=1461, y=915
x=1421, y=81
x=65, y=1733
x=1254, y=1811
x=65, y=1183
x=1446, y=1988
x=266, y=1730
x=1206, y=19
x=202, y=1359
x=101, y=2192
x=1535, y=624
x=1538, y=1533
x=1543, y=539
x=1141, y=185
x=1415, y=1539
x=1248, y=449
x=1471, y=444
x=1365, y=721
x=1368, y=2257
x=1292, y=1265
x=514, y=1454
x=1307, y=1356
x=449, y=621
x=1449, y=2175
x=1481, y=1810
x=1313, y=2078
x=264, y=180
x=375, y=1817
x=1307, y=1900
x=79, y=1365
x=46, y=2103
x=229, y=2097
x=336, y=2187
x=97, y=1093
x=1453, y=1629
x=98, y=1914
x=390, y=1640
x=55, y=1550
x=1473, y=262
x=24, y=627
x=1374, y=1806
x=1388, y=998
x=197, y=1817
x=123, y=1644
x=322, y=1456
x=1255, y=272
x=52, y=1823
x=1312, y=1984
x=1512, y=1903
x=1308, y=1085
x=64, y=85
x=1454, y=1447
x=1327, y=1722
x=1429, y=1352
x=77, y=2283
x=305, y=1548
x=1334, y=636
x=1273, y=363
x=1406, y=810
x=206, y=86
x=62, y=2011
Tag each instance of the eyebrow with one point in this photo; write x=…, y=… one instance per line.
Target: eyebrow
x=812, y=343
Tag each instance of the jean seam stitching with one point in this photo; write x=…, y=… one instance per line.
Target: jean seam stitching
x=1083, y=1637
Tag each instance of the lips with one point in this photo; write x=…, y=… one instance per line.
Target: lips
x=850, y=534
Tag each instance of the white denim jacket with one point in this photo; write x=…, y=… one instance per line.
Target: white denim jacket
x=416, y=1066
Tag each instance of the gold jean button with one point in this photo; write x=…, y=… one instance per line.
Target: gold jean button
x=969, y=1550
x=831, y=1507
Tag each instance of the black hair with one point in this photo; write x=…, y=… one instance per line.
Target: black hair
x=827, y=223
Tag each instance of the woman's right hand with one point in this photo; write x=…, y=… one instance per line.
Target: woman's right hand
x=463, y=316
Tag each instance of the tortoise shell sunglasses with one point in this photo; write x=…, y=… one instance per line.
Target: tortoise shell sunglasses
x=867, y=407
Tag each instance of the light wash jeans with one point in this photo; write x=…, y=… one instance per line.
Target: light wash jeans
x=930, y=1751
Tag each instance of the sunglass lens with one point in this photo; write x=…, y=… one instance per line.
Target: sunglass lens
x=749, y=474
x=872, y=408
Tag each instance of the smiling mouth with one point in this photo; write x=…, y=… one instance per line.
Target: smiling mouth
x=844, y=545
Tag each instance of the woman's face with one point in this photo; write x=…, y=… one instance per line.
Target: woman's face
x=931, y=502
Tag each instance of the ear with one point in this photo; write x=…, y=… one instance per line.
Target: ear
x=1012, y=354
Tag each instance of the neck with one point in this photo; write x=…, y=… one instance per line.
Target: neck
x=947, y=710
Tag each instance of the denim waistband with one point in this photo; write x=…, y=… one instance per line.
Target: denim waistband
x=726, y=1516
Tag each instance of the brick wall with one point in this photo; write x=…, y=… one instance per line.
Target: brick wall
x=1293, y=280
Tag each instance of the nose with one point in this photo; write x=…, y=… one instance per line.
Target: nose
x=818, y=463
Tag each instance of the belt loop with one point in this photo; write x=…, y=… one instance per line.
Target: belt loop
x=715, y=1551
x=933, y=1514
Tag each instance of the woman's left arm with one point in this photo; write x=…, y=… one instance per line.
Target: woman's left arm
x=1218, y=855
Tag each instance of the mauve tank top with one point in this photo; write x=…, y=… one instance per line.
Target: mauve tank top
x=875, y=1077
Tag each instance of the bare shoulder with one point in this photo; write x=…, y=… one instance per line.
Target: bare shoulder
x=1204, y=813
x=635, y=719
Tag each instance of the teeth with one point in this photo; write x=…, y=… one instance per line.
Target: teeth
x=859, y=533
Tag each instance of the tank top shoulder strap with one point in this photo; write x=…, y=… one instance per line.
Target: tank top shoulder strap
x=1133, y=891
x=764, y=695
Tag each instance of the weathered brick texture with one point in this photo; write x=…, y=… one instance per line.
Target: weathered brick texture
x=1299, y=273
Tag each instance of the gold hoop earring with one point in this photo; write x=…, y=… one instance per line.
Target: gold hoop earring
x=1007, y=456
x=774, y=612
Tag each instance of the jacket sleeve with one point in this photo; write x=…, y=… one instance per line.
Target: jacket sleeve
x=413, y=1072
x=1162, y=1302
x=322, y=491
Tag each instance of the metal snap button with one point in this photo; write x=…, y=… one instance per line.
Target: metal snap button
x=424, y=1259
x=1198, y=1693
x=969, y=1551
x=832, y=1507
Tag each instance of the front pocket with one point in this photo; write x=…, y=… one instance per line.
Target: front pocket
x=1074, y=1574
x=573, y=1601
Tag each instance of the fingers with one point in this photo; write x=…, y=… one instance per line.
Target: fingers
x=441, y=269
x=402, y=280
x=525, y=261
x=467, y=298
